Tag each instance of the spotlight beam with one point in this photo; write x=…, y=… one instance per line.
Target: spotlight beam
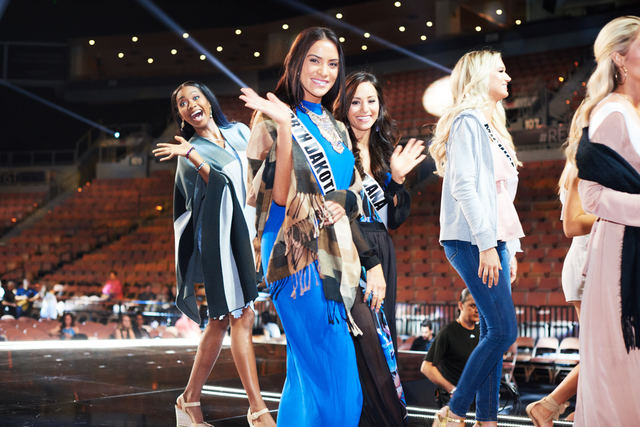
x=172, y=25
x=359, y=31
x=56, y=107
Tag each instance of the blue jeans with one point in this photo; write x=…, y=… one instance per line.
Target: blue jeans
x=498, y=330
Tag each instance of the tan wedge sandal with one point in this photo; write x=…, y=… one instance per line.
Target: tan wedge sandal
x=550, y=405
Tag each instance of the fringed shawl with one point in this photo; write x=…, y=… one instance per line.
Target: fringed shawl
x=303, y=237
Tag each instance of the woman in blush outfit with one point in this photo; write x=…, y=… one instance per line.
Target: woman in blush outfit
x=608, y=160
x=479, y=226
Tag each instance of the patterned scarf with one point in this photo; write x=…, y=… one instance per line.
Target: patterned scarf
x=303, y=237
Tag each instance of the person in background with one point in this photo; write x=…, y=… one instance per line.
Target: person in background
x=147, y=294
x=139, y=328
x=112, y=289
x=49, y=307
x=25, y=297
x=424, y=341
x=9, y=305
x=125, y=329
x=451, y=348
x=270, y=328
x=67, y=329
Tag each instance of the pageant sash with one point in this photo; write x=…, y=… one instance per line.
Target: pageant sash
x=493, y=138
x=314, y=154
x=374, y=192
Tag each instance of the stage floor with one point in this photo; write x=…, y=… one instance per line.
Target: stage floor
x=132, y=383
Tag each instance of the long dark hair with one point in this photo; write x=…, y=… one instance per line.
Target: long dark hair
x=289, y=89
x=187, y=130
x=382, y=136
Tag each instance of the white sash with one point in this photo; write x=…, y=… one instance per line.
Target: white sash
x=315, y=155
x=375, y=194
x=492, y=137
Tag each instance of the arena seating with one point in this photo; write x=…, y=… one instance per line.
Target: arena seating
x=99, y=212
x=16, y=206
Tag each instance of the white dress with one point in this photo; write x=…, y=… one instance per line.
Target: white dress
x=573, y=266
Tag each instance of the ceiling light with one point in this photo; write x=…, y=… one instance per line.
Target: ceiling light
x=339, y=15
x=202, y=57
x=499, y=12
x=363, y=47
x=174, y=51
x=429, y=24
x=185, y=35
x=120, y=55
x=285, y=26
x=367, y=35
x=397, y=4
x=518, y=22
x=256, y=54
x=401, y=28
x=342, y=39
x=560, y=79
x=238, y=31
x=219, y=48
x=92, y=42
x=478, y=28
x=134, y=39
x=150, y=60
x=423, y=37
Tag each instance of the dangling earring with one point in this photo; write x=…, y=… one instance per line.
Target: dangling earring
x=182, y=125
x=625, y=73
x=377, y=128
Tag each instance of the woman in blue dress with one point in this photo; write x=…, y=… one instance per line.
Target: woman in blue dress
x=308, y=237
x=213, y=229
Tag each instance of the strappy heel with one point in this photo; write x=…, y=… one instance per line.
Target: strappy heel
x=182, y=418
x=443, y=420
x=252, y=416
x=549, y=404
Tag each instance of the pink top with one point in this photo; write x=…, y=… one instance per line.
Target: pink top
x=509, y=227
x=113, y=288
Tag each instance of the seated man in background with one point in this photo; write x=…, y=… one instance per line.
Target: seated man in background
x=147, y=294
x=25, y=297
x=424, y=341
x=112, y=289
x=451, y=348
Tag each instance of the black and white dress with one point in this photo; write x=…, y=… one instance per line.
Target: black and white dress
x=213, y=228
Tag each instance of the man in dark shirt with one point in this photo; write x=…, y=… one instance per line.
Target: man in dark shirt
x=451, y=348
x=424, y=341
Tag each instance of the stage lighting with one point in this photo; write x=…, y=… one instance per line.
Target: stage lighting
x=397, y=4
x=203, y=57
x=238, y=32
x=120, y=55
x=256, y=54
x=367, y=35
x=174, y=51
x=219, y=48
x=478, y=28
x=339, y=15
x=185, y=35
x=429, y=24
x=423, y=37
x=437, y=97
x=134, y=39
x=363, y=47
x=116, y=135
x=342, y=39
x=285, y=26
x=150, y=60
x=401, y=28
x=92, y=42
x=518, y=22
x=499, y=12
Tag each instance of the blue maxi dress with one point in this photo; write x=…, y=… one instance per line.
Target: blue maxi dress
x=322, y=387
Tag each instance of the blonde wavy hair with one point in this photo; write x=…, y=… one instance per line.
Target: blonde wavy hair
x=615, y=37
x=470, y=90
